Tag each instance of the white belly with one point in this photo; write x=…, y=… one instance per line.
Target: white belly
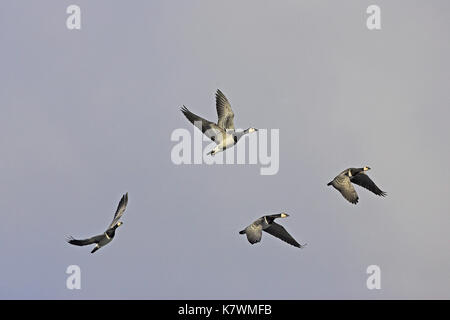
x=226, y=142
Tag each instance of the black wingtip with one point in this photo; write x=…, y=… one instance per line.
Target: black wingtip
x=124, y=200
x=184, y=109
x=220, y=95
x=69, y=239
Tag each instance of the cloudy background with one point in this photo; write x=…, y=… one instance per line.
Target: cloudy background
x=87, y=115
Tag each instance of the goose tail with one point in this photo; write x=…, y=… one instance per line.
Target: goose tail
x=95, y=249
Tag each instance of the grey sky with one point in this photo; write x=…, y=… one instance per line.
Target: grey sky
x=87, y=116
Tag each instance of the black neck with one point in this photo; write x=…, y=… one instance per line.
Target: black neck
x=272, y=217
x=355, y=171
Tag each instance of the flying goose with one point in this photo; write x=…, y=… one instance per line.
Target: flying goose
x=222, y=133
x=105, y=238
x=268, y=224
x=343, y=183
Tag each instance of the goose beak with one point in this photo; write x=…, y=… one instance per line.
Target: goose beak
x=366, y=168
x=284, y=215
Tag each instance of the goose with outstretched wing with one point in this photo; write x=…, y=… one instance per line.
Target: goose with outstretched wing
x=105, y=238
x=344, y=183
x=267, y=223
x=223, y=132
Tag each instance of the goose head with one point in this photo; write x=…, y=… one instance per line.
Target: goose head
x=250, y=130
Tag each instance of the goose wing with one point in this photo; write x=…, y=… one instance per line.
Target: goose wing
x=364, y=181
x=343, y=184
x=210, y=129
x=85, y=242
x=280, y=232
x=120, y=210
x=224, y=112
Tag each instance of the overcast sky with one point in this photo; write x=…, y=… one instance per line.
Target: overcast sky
x=87, y=115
